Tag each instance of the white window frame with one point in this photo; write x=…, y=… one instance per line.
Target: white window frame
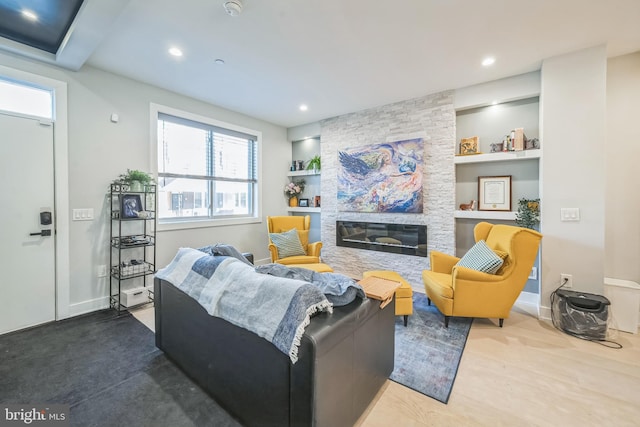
x=182, y=223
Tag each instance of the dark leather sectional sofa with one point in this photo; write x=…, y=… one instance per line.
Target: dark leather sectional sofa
x=344, y=359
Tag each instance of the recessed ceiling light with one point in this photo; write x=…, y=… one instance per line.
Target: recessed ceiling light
x=303, y=107
x=175, y=51
x=29, y=15
x=488, y=61
x=219, y=61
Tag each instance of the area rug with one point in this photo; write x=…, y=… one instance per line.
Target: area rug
x=108, y=370
x=428, y=354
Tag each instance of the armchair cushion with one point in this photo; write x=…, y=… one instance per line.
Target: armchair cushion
x=303, y=235
x=480, y=257
x=288, y=243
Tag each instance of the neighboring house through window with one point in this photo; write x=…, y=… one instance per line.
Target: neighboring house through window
x=207, y=170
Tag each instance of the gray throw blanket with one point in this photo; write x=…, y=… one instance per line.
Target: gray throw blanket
x=224, y=250
x=277, y=309
x=339, y=289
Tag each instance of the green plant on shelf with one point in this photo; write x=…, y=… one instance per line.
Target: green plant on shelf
x=528, y=215
x=314, y=163
x=134, y=175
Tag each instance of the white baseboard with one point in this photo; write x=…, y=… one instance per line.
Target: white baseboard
x=528, y=298
x=262, y=261
x=544, y=313
x=88, y=306
x=529, y=302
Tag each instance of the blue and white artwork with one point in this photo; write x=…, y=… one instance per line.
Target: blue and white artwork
x=382, y=177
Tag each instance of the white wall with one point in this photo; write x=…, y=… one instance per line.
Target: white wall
x=100, y=150
x=622, y=241
x=309, y=130
x=573, y=109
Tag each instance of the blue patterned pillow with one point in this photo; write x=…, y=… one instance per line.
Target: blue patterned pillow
x=480, y=257
x=288, y=243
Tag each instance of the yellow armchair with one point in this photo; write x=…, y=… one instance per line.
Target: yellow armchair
x=464, y=292
x=279, y=224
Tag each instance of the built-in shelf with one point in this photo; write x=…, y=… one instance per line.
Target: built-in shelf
x=495, y=215
x=303, y=173
x=501, y=156
x=299, y=209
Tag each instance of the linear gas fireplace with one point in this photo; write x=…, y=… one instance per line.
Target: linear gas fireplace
x=404, y=239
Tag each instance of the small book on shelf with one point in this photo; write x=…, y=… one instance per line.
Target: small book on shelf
x=519, y=139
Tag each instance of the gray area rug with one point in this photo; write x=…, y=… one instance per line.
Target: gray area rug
x=428, y=354
x=108, y=369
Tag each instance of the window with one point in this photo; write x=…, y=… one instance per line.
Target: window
x=26, y=99
x=205, y=171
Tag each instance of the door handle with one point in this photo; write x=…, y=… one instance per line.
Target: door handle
x=41, y=233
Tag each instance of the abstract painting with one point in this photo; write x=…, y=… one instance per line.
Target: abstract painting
x=381, y=178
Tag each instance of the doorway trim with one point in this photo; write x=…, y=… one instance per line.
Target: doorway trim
x=61, y=180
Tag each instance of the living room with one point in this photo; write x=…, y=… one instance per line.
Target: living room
x=587, y=100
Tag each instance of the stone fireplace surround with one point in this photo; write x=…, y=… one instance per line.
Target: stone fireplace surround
x=431, y=118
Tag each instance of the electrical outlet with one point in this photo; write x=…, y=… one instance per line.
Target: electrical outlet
x=568, y=278
x=534, y=274
x=102, y=270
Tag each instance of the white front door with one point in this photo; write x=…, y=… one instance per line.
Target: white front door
x=27, y=273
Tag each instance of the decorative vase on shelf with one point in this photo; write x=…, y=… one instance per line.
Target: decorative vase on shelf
x=136, y=186
x=293, y=202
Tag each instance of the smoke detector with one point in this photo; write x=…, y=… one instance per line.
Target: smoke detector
x=233, y=7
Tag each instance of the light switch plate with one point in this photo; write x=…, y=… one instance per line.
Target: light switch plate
x=82, y=214
x=569, y=214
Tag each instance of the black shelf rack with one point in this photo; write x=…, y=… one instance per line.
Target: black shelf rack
x=132, y=253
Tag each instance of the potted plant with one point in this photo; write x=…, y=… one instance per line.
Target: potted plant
x=314, y=163
x=137, y=180
x=528, y=215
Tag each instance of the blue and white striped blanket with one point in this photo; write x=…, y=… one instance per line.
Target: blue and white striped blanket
x=277, y=309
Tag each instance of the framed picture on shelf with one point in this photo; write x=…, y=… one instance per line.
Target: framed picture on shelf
x=469, y=146
x=303, y=203
x=130, y=205
x=494, y=193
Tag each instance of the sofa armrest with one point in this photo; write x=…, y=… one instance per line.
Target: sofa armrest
x=442, y=263
x=313, y=249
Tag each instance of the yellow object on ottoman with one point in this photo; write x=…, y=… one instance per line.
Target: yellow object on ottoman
x=404, y=294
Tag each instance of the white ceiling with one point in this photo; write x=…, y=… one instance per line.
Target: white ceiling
x=343, y=56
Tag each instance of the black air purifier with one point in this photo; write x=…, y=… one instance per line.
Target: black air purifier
x=580, y=314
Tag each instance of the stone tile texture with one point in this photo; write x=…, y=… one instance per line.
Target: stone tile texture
x=431, y=118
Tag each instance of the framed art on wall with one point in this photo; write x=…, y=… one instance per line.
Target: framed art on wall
x=494, y=193
x=384, y=177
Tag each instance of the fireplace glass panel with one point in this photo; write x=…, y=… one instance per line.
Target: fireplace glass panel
x=408, y=239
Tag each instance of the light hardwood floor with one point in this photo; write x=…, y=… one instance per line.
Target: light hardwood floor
x=524, y=374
